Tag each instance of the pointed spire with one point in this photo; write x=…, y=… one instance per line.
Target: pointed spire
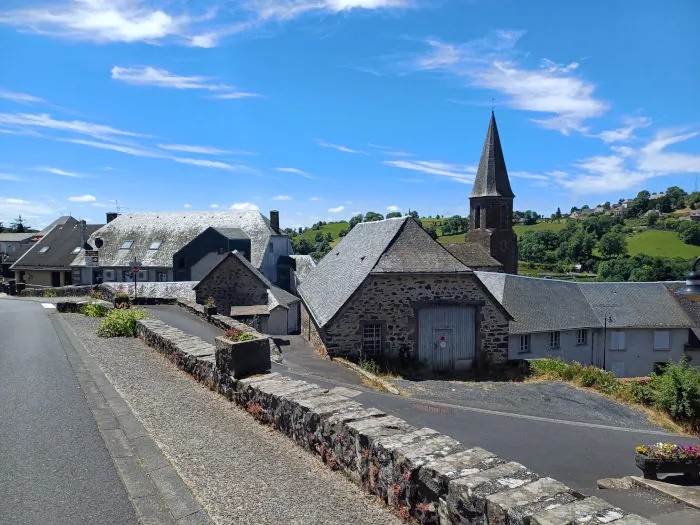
x=492, y=176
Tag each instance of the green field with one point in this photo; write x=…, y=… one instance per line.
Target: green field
x=553, y=226
x=662, y=243
x=334, y=229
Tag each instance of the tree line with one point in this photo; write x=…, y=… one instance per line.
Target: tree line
x=16, y=226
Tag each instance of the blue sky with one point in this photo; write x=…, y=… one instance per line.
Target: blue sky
x=324, y=108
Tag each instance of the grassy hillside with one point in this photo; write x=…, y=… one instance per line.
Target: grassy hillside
x=659, y=242
x=334, y=230
x=554, y=226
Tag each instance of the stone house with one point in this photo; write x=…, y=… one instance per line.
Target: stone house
x=242, y=292
x=47, y=262
x=185, y=246
x=388, y=290
x=628, y=328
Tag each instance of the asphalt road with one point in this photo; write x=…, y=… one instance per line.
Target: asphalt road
x=54, y=466
x=576, y=452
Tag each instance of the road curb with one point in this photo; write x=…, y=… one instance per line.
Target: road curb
x=155, y=489
x=385, y=384
x=688, y=495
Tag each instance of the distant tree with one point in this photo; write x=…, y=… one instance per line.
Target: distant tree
x=414, y=214
x=355, y=220
x=557, y=215
x=689, y=232
x=612, y=244
x=329, y=237
x=302, y=246
x=2, y=228
x=19, y=226
x=573, y=209
x=693, y=199
x=318, y=237
x=640, y=204
x=342, y=233
x=652, y=219
x=393, y=214
x=576, y=248
x=676, y=197
x=372, y=216
x=663, y=204
x=437, y=216
x=606, y=205
x=585, y=207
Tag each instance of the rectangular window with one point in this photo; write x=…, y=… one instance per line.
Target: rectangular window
x=617, y=340
x=372, y=339
x=155, y=245
x=554, y=340
x=581, y=337
x=76, y=250
x=77, y=276
x=162, y=277
x=44, y=249
x=524, y=344
x=127, y=245
x=662, y=340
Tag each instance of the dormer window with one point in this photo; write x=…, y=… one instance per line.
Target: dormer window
x=127, y=245
x=155, y=245
x=44, y=249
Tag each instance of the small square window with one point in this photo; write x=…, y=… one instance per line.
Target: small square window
x=127, y=245
x=44, y=249
x=662, y=340
x=372, y=339
x=524, y=344
x=76, y=250
x=155, y=245
x=554, y=340
x=581, y=337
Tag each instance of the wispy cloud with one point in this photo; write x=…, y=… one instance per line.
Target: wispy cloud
x=205, y=150
x=457, y=172
x=214, y=206
x=187, y=206
x=21, y=98
x=10, y=208
x=217, y=165
x=527, y=175
x=296, y=171
x=624, y=133
x=44, y=120
x=492, y=63
x=412, y=181
x=150, y=76
x=324, y=144
x=63, y=173
x=392, y=208
x=282, y=198
x=244, y=206
x=82, y=198
x=314, y=198
x=10, y=177
x=337, y=209
x=289, y=9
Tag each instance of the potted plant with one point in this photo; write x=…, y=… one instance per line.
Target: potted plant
x=240, y=353
x=121, y=298
x=668, y=458
x=210, y=306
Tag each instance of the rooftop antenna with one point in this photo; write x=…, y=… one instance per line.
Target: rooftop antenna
x=117, y=207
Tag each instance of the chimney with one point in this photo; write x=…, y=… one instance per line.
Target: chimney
x=275, y=221
x=111, y=215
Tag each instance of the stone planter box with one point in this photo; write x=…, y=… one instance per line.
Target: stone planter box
x=244, y=358
x=210, y=310
x=650, y=467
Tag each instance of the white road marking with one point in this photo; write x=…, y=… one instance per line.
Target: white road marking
x=48, y=305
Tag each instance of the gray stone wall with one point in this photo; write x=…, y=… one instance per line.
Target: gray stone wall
x=311, y=332
x=391, y=299
x=231, y=284
x=420, y=473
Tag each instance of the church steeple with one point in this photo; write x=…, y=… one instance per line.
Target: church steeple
x=492, y=176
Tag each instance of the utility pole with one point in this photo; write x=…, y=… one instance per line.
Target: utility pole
x=606, y=320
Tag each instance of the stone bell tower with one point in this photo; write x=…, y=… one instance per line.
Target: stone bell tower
x=491, y=204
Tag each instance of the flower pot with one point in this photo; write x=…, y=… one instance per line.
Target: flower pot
x=210, y=310
x=651, y=466
x=122, y=302
x=243, y=358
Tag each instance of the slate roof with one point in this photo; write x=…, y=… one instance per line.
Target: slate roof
x=304, y=265
x=17, y=237
x=472, y=254
x=388, y=246
x=63, y=237
x=232, y=233
x=174, y=230
x=543, y=305
x=492, y=175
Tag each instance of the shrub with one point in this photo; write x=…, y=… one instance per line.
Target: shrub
x=679, y=392
x=121, y=323
x=49, y=293
x=642, y=392
x=209, y=303
x=238, y=335
x=93, y=310
x=369, y=365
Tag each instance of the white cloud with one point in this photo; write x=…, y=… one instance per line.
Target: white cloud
x=213, y=205
x=187, y=206
x=44, y=120
x=9, y=177
x=60, y=172
x=339, y=148
x=526, y=175
x=105, y=21
x=456, y=172
x=215, y=164
x=22, y=98
x=205, y=150
x=289, y=9
x=297, y=171
x=314, y=198
x=392, y=208
x=38, y=212
x=625, y=133
x=337, y=209
x=490, y=63
x=150, y=76
x=282, y=198
x=82, y=198
x=244, y=206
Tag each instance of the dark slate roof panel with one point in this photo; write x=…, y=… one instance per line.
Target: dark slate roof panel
x=232, y=233
x=472, y=254
x=492, y=175
x=414, y=251
x=328, y=286
x=304, y=265
x=17, y=237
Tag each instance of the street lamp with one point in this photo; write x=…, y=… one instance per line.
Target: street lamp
x=607, y=319
x=691, y=290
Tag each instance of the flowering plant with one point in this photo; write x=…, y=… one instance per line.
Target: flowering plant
x=210, y=302
x=238, y=335
x=669, y=451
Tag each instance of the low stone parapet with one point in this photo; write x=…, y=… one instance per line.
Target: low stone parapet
x=75, y=306
x=419, y=472
x=61, y=291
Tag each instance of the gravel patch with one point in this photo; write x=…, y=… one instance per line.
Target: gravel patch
x=551, y=399
x=239, y=470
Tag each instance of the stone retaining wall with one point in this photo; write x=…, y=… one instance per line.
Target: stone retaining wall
x=62, y=291
x=419, y=472
x=75, y=305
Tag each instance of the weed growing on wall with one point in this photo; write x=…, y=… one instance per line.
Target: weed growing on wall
x=93, y=310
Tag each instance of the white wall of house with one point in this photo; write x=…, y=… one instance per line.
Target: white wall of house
x=570, y=347
x=116, y=275
x=278, y=246
x=205, y=265
x=277, y=322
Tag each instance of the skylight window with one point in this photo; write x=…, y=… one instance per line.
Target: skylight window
x=76, y=250
x=44, y=249
x=127, y=245
x=155, y=245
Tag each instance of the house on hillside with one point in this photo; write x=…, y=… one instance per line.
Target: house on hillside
x=242, y=292
x=186, y=246
x=47, y=262
x=628, y=328
x=388, y=290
